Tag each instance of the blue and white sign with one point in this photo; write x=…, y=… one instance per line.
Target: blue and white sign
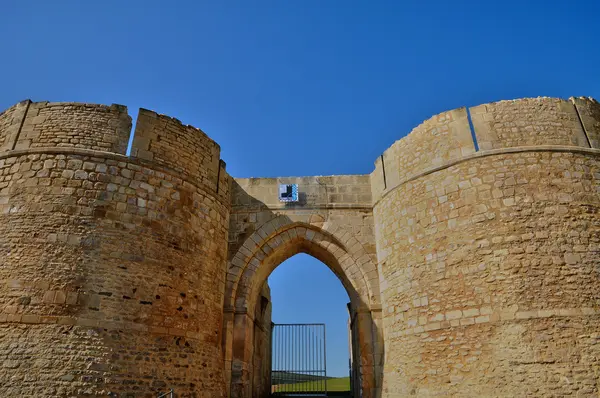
x=288, y=192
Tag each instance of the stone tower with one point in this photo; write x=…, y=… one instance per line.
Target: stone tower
x=489, y=259
x=112, y=266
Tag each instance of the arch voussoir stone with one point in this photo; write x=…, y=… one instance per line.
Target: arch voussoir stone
x=280, y=232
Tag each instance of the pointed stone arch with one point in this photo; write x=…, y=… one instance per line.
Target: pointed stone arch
x=317, y=238
x=266, y=248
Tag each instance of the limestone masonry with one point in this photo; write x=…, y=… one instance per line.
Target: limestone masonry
x=471, y=255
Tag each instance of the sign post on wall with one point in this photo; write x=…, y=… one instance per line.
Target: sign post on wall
x=288, y=192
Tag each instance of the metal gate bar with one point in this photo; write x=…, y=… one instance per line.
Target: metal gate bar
x=298, y=363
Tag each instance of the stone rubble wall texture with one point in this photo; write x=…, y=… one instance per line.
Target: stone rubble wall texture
x=471, y=272
x=112, y=273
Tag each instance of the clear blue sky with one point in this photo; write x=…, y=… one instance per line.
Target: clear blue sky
x=335, y=82
x=304, y=290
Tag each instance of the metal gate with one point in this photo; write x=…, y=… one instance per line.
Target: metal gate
x=298, y=363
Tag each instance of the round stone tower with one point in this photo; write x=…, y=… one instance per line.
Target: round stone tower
x=112, y=266
x=488, y=258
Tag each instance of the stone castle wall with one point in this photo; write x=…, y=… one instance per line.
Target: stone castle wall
x=488, y=264
x=469, y=255
x=113, y=267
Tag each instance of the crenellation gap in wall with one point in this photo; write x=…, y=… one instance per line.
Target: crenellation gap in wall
x=219, y=174
x=472, y=128
x=383, y=171
x=134, y=118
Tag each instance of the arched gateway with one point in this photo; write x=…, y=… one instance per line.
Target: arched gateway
x=265, y=232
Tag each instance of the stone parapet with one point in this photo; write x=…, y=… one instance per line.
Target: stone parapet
x=65, y=124
x=448, y=137
x=318, y=191
x=527, y=122
x=184, y=148
x=435, y=142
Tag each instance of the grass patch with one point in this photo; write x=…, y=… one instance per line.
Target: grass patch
x=338, y=384
x=333, y=384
